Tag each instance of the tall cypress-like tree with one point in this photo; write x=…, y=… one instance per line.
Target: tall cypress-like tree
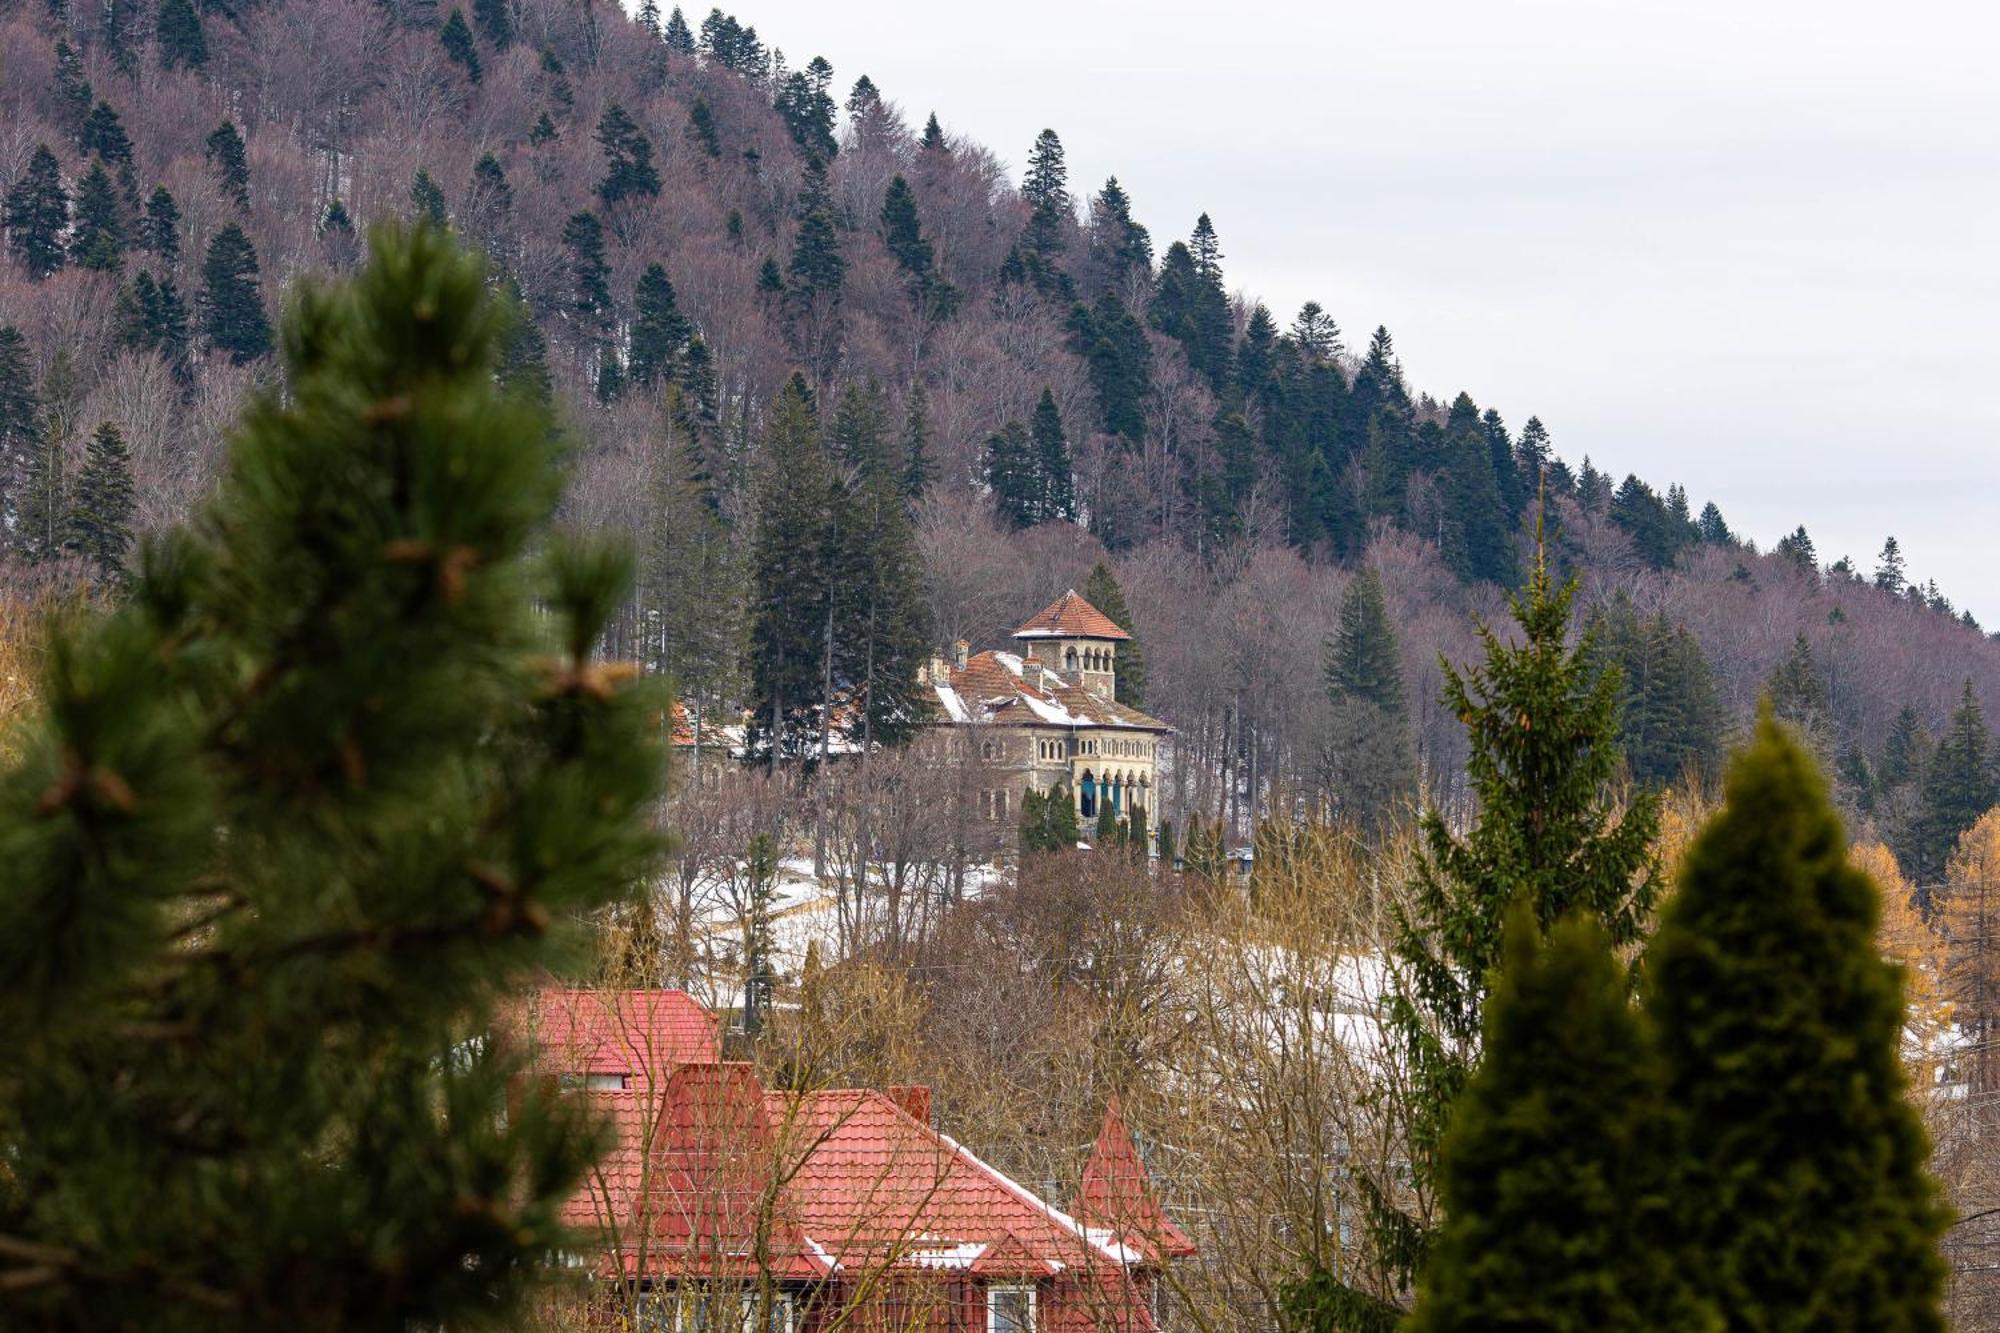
x=232, y=308
x=226, y=156
x=887, y=637
x=1554, y=1184
x=1371, y=765
x=178, y=32
x=100, y=514
x=1101, y=590
x=1803, y=1194
x=459, y=48
x=37, y=214
x=1555, y=833
x=160, y=230
x=348, y=724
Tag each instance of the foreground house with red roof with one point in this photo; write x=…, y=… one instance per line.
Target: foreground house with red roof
x=1047, y=715
x=727, y=1205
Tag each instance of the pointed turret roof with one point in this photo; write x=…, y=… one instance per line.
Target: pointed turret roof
x=1070, y=617
x=1117, y=1193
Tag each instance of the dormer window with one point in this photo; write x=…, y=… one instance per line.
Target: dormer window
x=1010, y=1310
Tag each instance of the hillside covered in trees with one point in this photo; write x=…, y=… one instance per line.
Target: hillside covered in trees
x=856, y=389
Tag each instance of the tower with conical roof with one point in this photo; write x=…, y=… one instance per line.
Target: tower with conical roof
x=1075, y=640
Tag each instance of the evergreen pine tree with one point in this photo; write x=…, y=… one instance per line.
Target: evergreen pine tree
x=918, y=470
x=1101, y=590
x=792, y=575
x=104, y=134
x=816, y=266
x=1011, y=474
x=701, y=125
x=225, y=154
x=426, y=199
x=1798, y=551
x=590, y=275
x=100, y=515
x=1121, y=249
x=43, y=500
x=160, y=230
x=117, y=27
x=336, y=232
x=1890, y=574
x=1552, y=1179
x=1045, y=187
x=349, y=728
x=20, y=419
x=37, y=215
x=1055, y=480
x=934, y=140
x=677, y=35
x=628, y=158
x=1957, y=787
x=886, y=640
x=1803, y=1191
x=1713, y=529
x=72, y=91
x=805, y=104
x=1798, y=692
x=494, y=22
x=232, y=308
x=649, y=18
x=97, y=240
x=1370, y=765
x=459, y=48
x=659, y=331
x=179, y=34
x=1553, y=833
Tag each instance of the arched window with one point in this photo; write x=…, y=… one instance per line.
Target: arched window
x=1069, y=660
x=986, y=749
x=1087, y=791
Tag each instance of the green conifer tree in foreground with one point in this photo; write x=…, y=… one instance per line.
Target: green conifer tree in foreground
x=1553, y=1181
x=1804, y=1188
x=339, y=778
x=1553, y=832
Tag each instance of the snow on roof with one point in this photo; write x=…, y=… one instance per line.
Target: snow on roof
x=994, y=687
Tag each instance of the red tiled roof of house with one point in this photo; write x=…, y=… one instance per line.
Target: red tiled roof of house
x=866, y=1188
x=993, y=687
x=1117, y=1192
x=626, y=1032
x=1069, y=616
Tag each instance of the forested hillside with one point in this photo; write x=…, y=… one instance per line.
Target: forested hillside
x=856, y=388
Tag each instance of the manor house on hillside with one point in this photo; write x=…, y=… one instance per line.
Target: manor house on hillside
x=1048, y=715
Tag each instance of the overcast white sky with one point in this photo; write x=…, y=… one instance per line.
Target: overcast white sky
x=1752, y=246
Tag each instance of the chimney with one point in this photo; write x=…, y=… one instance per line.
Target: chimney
x=1031, y=670
x=960, y=652
x=915, y=1099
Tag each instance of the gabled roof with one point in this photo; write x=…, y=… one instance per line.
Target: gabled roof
x=628, y=1032
x=1070, y=617
x=1117, y=1192
x=994, y=687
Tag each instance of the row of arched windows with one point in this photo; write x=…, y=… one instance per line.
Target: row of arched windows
x=1091, y=659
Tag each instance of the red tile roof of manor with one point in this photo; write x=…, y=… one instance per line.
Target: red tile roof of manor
x=629, y=1032
x=1070, y=617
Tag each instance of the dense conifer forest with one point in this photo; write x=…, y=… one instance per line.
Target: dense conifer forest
x=857, y=386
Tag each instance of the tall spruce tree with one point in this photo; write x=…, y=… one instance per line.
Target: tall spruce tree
x=20, y=417
x=37, y=214
x=590, y=275
x=1554, y=832
x=918, y=470
x=101, y=505
x=677, y=35
x=660, y=332
x=349, y=728
x=793, y=573
x=97, y=238
x=1554, y=1186
x=1799, y=693
x=1101, y=590
x=1803, y=1192
x=459, y=48
x=72, y=90
x=178, y=33
x=1055, y=476
x=232, y=308
x=427, y=199
x=104, y=135
x=229, y=160
x=1370, y=765
x=494, y=21
x=628, y=158
x=887, y=637
x=1958, y=786
x=160, y=231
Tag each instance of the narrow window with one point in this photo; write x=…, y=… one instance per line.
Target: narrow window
x=1010, y=1310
